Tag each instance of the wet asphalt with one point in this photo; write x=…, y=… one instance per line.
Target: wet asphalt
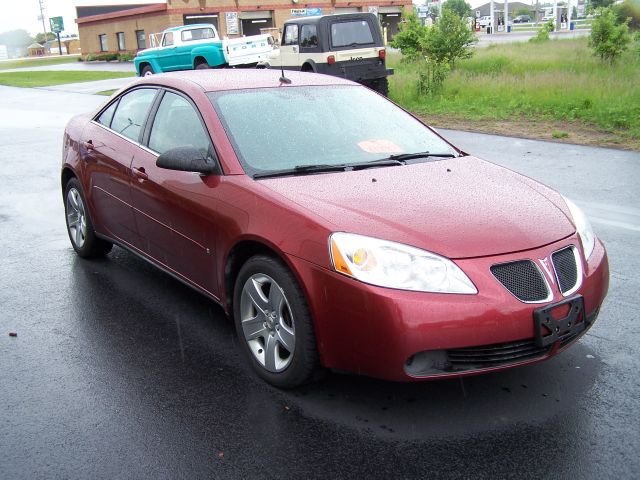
x=119, y=371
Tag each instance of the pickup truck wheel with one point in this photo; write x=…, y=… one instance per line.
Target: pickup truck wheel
x=146, y=71
x=202, y=66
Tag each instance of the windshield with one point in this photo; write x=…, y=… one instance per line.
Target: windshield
x=275, y=129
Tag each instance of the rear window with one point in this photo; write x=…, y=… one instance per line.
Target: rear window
x=197, y=34
x=351, y=34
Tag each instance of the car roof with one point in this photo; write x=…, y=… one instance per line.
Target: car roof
x=239, y=79
x=318, y=18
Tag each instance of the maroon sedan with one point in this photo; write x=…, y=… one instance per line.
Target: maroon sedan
x=334, y=227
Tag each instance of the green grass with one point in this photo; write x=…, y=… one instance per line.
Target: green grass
x=107, y=93
x=38, y=62
x=558, y=80
x=48, y=78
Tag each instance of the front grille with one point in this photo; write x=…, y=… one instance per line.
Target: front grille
x=523, y=279
x=564, y=262
x=487, y=356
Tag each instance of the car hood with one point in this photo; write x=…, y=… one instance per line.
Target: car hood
x=460, y=208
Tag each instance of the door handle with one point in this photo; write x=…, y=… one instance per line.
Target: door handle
x=140, y=173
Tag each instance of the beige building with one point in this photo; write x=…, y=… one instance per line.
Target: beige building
x=126, y=28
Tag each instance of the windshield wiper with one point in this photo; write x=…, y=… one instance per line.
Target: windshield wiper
x=410, y=156
x=303, y=170
x=383, y=162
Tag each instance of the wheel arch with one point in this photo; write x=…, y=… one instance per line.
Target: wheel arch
x=237, y=256
x=66, y=175
x=309, y=66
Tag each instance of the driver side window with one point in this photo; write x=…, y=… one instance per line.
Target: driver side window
x=177, y=124
x=290, y=35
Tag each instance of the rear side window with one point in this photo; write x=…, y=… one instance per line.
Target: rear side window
x=290, y=35
x=168, y=39
x=132, y=112
x=308, y=36
x=177, y=124
x=351, y=34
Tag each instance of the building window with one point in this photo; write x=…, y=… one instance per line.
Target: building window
x=142, y=42
x=120, y=38
x=104, y=45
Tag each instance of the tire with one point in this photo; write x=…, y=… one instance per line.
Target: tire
x=79, y=225
x=273, y=323
x=146, y=71
x=202, y=66
x=381, y=85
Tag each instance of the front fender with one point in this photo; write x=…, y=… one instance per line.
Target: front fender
x=138, y=61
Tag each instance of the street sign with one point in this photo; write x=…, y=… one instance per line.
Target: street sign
x=56, y=23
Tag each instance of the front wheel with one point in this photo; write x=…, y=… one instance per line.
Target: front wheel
x=146, y=71
x=79, y=225
x=273, y=323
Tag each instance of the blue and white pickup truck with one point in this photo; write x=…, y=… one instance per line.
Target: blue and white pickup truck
x=199, y=46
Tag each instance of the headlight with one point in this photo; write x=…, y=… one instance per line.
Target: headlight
x=585, y=231
x=393, y=265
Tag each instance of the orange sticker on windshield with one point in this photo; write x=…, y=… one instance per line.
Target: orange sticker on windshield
x=379, y=146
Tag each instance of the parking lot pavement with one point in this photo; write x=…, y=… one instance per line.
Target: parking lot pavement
x=119, y=371
x=485, y=39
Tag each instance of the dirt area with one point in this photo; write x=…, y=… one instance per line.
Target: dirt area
x=565, y=132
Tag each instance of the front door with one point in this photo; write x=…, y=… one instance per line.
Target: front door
x=173, y=224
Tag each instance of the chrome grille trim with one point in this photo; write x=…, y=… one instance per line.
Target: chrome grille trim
x=579, y=271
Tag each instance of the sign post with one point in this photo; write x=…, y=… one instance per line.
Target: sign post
x=57, y=25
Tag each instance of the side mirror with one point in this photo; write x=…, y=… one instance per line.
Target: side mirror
x=186, y=159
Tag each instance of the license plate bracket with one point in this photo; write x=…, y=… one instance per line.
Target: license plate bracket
x=549, y=329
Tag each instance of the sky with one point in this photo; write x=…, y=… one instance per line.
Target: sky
x=24, y=13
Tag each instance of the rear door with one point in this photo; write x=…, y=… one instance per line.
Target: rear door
x=109, y=144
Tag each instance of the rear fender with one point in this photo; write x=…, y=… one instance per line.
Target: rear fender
x=213, y=54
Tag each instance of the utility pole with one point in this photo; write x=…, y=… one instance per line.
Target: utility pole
x=44, y=28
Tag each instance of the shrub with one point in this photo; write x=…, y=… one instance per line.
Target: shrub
x=125, y=57
x=544, y=31
x=608, y=39
x=449, y=40
x=431, y=78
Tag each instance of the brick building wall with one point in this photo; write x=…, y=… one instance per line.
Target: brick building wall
x=157, y=17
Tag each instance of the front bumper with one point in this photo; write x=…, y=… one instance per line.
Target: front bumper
x=376, y=331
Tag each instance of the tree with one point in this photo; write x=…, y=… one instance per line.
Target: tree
x=41, y=40
x=16, y=39
x=460, y=7
x=594, y=4
x=631, y=10
x=410, y=38
x=449, y=40
x=609, y=39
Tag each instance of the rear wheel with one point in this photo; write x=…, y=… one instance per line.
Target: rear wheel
x=273, y=323
x=202, y=65
x=381, y=85
x=79, y=226
x=146, y=71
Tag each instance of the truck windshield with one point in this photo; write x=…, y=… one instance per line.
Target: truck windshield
x=353, y=33
x=276, y=129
